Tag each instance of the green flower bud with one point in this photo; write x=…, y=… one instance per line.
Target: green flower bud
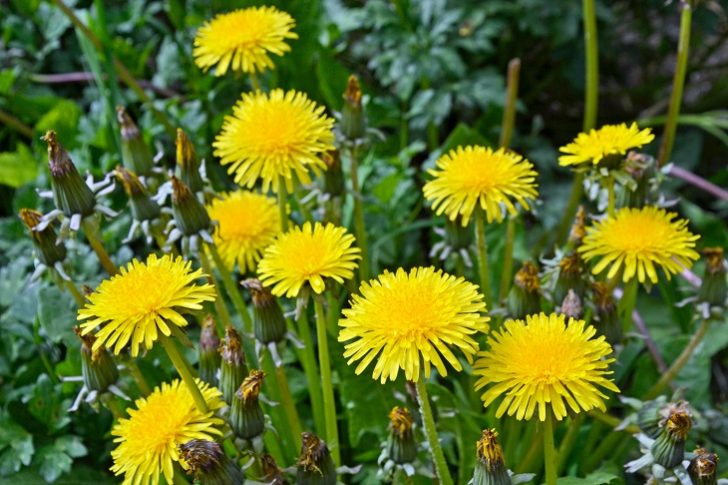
x=143, y=207
x=209, y=464
x=353, y=123
x=571, y=277
x=650, y=415
x=188, y=166
x=524, y=297
x=70, y=192
x=97, y=366
x=641, y=168
x=246, y=416
x=232, y=366
x=48, y=248
x=457, y=236
x=401, y=445
x=189, y=214
x=315, y=465
x=669, y=447
x=490, y=468
x=333, y=176
x=269, y=324
x=703, y=467
x=606, y=320
x=209, y=357
x=135, y=153
x=714, y=290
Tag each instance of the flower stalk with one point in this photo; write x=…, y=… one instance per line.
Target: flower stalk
x=482, y=245
x=332, y=433
x=549, y=451
x=310, y=368
x=231, y=288
x=359, y=225
x=443, y=473
x=184, y=371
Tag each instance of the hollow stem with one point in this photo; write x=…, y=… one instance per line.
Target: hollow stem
x=310, y=368
x=678, y=82
x=483, y=258
x=612, y=198
x=549, y=450
x=183, y=369
x=592, y=64
x=283, y=203
x=139, y=378
x=509, y=111
x=507, y=272
x=94, y=241
x=219, y=303
x=231, y=288
x=332, y=434
x=359, y=226
x=294, y=421
x=443, y=473
x=628, y=302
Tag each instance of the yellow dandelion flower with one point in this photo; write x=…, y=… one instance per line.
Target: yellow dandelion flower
x=545, y=362
x=141, y=300
x=637, y=240
x=149, y=438
x=475, y=175
x=412, y=320
x=242, y=39
x=308, y=254
x=273, y=136
x=607, y=141
x=247, y=223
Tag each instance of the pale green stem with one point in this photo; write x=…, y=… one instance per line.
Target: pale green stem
x=231, y=288
x=136, y=373
x=254, y=82
x=628, y=303
x=443, y=473
x=483, y=258
x=110, y=402
x=507, y=271
x=220, y=306
x=359, y=226
x=509, y=111
x=279, y=414
x=332, y=433
x=549, y=450
x=592, y=65
x=611, y=199
x=310, y=368
x=283, y=203
x=294, y=421
x=678, y=83
x=183, y=369
x=95, y=242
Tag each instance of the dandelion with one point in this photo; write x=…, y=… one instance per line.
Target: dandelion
x=243, y=39
x=143, y=300
x=604, y=144
x=411, y=320
x=273, y=137
x=545, y=363
x=246, y=224
x=167, y=418
x=308, y=254
x=635, y=241
x=466, y=178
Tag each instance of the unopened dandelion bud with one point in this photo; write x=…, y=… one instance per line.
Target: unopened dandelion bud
x=188, y=164
x=457, y=236
x=272, y=473
x=246, y=416
x=315, y=465
x=524, y=297
x=143, y=207
x=578, y=228
x=232, y=365
x=669, y=447
x=571, y=306
x=703, y=467
x=209, y=357
x=48, y=248
x=641, y=168
x=334, y=175
x=713, y=290
x=606, y=320
x=189, y=214
x=135, y=153
x=490, y=467
x=269, y=324
x=97, y=366
x=208, y=463
x=70, y=193
x=649, y=417
x=571, y=277
x=353, y=123
x=401, y=444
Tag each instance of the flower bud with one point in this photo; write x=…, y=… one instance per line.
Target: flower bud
x=641, y=168
x=315, y=465
x=571, y=306
x=606, y=320
x=353, y=124
x=650, y=415
x=187, y=163
x=490, y=468
x=97, y=366
x=703, y=467
x=232, y=366
x=456, y=236
x=189, y=214
x=269, y=324
x=571, y=277
x=143, y=207
x=401, y=445
x=135, y=153
x=578, y=228
x=209, y=357
x=524, y=297
x=209, y=464
x=272, y=473
x=246, y=416
x=333, y=176
x=713, y=290
x=669, y=447
x=48, y=248
x=70, y=192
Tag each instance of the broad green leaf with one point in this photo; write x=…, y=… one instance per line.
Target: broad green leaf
x=17, y=168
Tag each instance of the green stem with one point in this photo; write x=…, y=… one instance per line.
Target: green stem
x=283, y=203
x=219, y=303
x=136, y=373
x=607, y=446
x=93, y=239
x=438, y=457
x=183, y=369
x=628, y=302
x=483, y=258
x=612, y=421
x=533, y=453
x=509, y=111
x=574, y=199
x=288, y=434
x=310, y=368
x=294, y=421
x=612, y=199
x=678, y=82
x=683, y=359
x=113, y=406
x=231, y=288
x=254, y=82
x=549, y=450
x=507, y=272
x=11, y=121
x=568, y=442
x=592, y=64
x=359, y=226
x=332, y=433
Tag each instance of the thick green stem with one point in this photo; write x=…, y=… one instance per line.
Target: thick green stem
x=294, y=421
x=507, y=271
x=577, y=189
x=678, y=82
x=283, y=203
x=112, y=405
x=509, y=111
x=359, y=227
x=683, y=359
x=628, y=303
x=568, y=442
x=231, y=288
x=549, y=450
x=592, y=64
x=183, y=369
x=94, y=241
x=332, y=433
x=288, y=428
x=483, y=258
x=310, y=368
x=443, y=473
x=612, y=196
x=220, y=306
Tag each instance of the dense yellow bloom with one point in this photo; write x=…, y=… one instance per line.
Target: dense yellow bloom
x=162, y=421
x=637, y=240
x=545, y=362
x=412, y=320
x=269, y=136
x=247, y=223
x=143, y=299
x=308, y=254
x=467, y=177
x=242, y=40
x=595, y=146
